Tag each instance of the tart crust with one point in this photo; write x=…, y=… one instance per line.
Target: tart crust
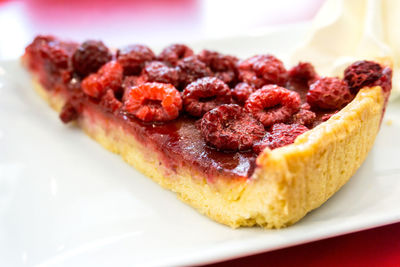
x=288, y=182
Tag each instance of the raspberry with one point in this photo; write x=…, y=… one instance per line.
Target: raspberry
x=204, y=95
x=329, y=93
x=175, y=52
x=133, y=58
x=223, y=66
x=89, y=57
x=190, y=69
x=362, y=73
x=261, y=70
x=34, y=50
x=272, y=104
x=109, y=102
x=57, y=58
x=229, y=77
x=280, y=135
x=38, y=42
x=242, y=91
x=108, y=77
x=159, y=72
x=129, y=82
x=304, y=117
x=68, y=113
x=153, y=102
x=303, y=73
x=229, y=127
x=51, y=53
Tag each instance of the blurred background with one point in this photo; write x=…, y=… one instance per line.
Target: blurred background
x=152, y=22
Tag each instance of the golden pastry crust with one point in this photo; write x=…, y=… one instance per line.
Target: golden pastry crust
x=288, y=182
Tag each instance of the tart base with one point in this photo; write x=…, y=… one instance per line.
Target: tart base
x=288, y=182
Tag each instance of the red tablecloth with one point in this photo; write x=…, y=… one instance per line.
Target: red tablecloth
x=173, y=20
x=375, y=247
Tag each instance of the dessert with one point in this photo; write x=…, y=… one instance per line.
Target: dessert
x=246, y=142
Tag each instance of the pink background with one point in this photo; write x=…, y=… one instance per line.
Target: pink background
x=121, y=22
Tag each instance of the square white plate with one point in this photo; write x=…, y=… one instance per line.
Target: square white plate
x=65, y=201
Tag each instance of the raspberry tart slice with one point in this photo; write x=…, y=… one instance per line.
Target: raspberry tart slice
x=246, y=142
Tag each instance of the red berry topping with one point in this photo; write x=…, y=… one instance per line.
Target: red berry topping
x=362, y=73
x=272, y=104
x=205, y=94
x=304, y=72
x=108, y=77
x=153, y=102
x=261, y=70
x=175, y=52
x=159, y=72
x=304, y=117
x=241, y=92
x=329, y=93
x=109, y=102
x=129, y=82
x=305, y=106
x=223, y=66
x=190, y=69
x=280, y=135
x=133, y=58
x=57, y=58
x=68, y=113
x=385, y=81
x=50, y=55
x=89, y=57
x=327, y=116
x=229, y=127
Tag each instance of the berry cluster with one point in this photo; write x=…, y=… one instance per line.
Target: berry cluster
x=241, y=104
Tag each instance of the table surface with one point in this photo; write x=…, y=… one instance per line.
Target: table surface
x=162, y=22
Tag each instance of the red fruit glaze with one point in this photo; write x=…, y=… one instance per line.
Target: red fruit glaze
x=229, y=127
x=133, y=58
x=205, y=94
x=261, y=70
x=362, y=73
x=385, y=81
x=109, y=102
x=174, y=53
x=108, y=77
x=153, y=102
x=329, y=93
x=280, y=135
x=272, y=104
x=327, y=116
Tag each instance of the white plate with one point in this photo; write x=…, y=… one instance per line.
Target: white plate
x=66, y=201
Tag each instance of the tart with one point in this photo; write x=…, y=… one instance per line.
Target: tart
x=245, y=142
